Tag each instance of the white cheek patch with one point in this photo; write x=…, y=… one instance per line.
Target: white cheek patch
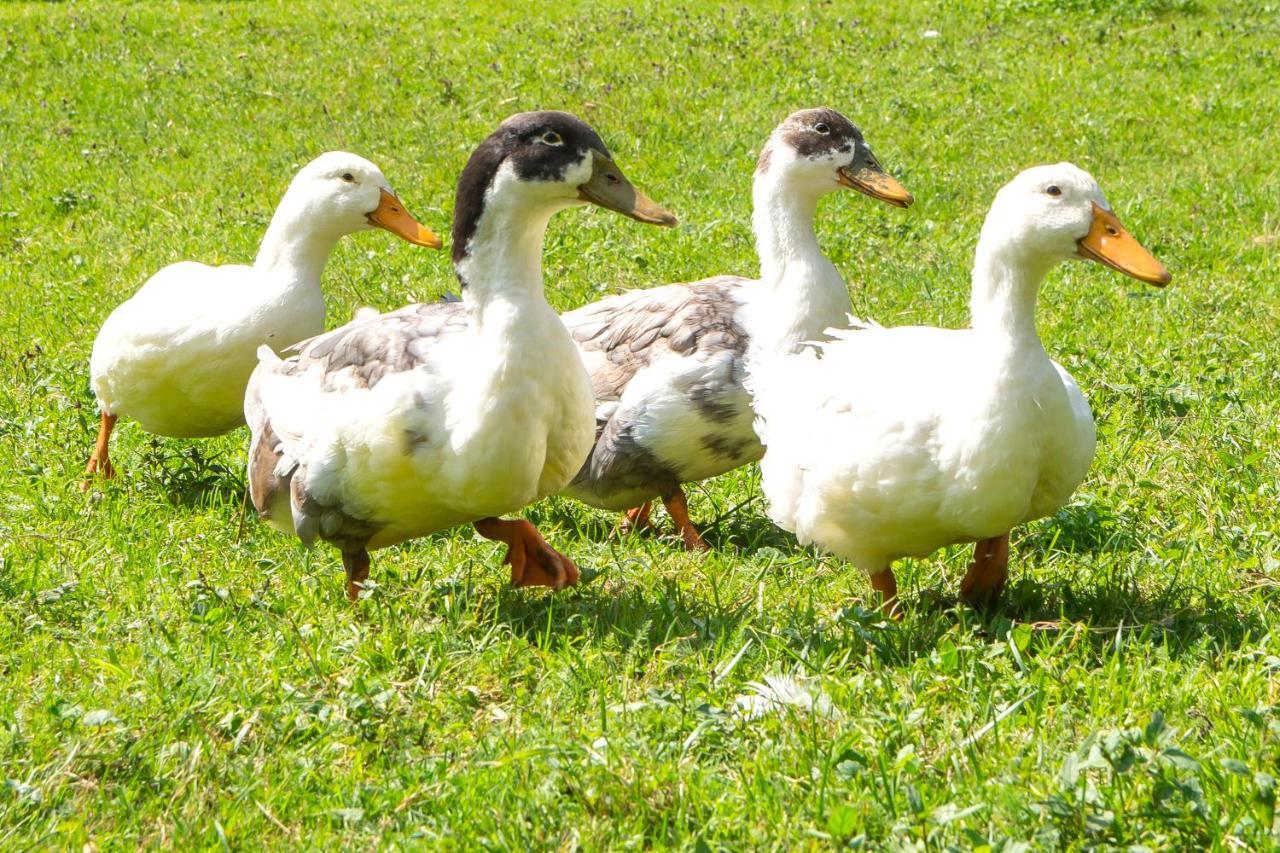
x=782, y=155
x=579, y=173
x=502, y=179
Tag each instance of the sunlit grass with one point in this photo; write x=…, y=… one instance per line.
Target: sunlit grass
x=173, y=676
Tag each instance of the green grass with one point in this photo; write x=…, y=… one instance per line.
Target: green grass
x=167, y=680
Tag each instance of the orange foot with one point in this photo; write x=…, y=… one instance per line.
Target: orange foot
x=100, y=461
x=887, y=585
x=533, y=562
x=637, y=518
x=988, y=572
x=356, y=564
x=678, y=508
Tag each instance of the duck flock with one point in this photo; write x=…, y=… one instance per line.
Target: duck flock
x=874, y=443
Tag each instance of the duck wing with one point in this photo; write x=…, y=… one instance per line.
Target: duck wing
x=295, y=408
x=620, y=335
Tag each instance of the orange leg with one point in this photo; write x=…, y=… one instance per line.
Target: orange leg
x=533, y=562
x=987, y=573
x=357, y=565
x=100, y=461
x=678, y=508
x=886, y=584
x=637, y=518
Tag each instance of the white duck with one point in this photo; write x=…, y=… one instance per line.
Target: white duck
x=667, y=364
x=890, y=443
x=177, y=355
x=401, y=424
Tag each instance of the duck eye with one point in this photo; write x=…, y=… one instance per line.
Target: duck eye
x=348, y=177
x=822, y=128
x=551, y=138
x=1054, y=191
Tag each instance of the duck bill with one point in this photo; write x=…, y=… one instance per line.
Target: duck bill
x=392, y=217
x=609, y=188
x=871, y=179
x=1110, y=244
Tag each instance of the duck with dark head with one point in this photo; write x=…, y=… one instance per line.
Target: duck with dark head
x=400, y=424
x=668, y=364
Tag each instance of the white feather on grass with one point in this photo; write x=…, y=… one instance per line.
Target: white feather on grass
x=780, y=692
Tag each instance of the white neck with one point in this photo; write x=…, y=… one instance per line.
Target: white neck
x=1006, y=281
x=296, y=246
x=503, y=264
x=800, y=293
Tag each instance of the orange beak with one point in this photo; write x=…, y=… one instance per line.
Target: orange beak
x=1108, y=243
x=392, y=216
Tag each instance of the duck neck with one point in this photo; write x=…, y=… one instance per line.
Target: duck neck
x=501, y=266
x=1003, y=297
x=296, y=247
x=800, y=293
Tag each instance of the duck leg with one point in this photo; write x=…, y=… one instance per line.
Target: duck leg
x=886, y=584
x=987, y=573
x=100, y=461
x=678, y=508
x=637, y=518
x=533, y=562
x=356, y=563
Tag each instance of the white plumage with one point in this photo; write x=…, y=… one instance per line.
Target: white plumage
x=889, y=443
x=177, y=355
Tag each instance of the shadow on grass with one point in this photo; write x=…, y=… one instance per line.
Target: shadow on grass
x=628, y=605
x=1177, y=619
x=1084, y=527
x=632, y=617
x=743, y=529
x=190, y=476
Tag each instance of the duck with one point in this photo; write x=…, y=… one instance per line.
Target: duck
x=177, y=355
x=667, y=364
x=886, y=443
x=455, y=412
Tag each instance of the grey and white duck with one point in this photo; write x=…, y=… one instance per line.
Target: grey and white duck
x=400, y=424
x=668, y=364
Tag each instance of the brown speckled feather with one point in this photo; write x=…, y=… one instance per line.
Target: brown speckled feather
x=357, y=355
x=623, y=335
x=373, y=346
x=631, y=329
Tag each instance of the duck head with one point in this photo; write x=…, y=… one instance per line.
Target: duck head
x=344, y=193
x=1056, y=213
x=537, y=163
x=820, y=151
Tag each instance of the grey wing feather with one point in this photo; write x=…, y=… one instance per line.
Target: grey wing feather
x=633, y=328
x=359, y=354
x=375, y=346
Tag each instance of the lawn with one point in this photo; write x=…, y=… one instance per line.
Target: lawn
x=174, y=673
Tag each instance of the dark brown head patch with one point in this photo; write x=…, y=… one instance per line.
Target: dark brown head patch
x=541, y=146
x=819, y=132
